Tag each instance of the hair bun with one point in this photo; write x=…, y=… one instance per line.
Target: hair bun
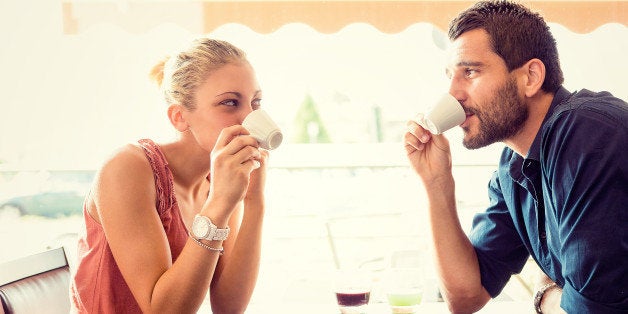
x=156, y=74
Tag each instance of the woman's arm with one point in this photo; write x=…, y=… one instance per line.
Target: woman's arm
x=238, y=269
x=125, y=202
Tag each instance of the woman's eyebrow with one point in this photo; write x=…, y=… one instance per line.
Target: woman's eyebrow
x=237, y=94
x=234, y=93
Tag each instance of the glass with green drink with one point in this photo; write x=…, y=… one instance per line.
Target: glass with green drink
x=404, y=289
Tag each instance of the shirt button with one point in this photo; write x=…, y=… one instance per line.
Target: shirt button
x=542, y=235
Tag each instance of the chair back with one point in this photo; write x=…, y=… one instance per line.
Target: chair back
x=36, y=284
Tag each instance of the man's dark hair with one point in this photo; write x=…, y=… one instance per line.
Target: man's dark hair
x=516, y=34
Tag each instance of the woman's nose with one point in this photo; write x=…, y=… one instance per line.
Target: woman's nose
x=244, y=112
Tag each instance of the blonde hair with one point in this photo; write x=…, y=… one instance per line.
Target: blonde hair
x=179, y=76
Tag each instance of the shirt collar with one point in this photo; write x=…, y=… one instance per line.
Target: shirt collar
x=535, y=149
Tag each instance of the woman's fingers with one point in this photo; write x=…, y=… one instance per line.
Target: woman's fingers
x=227, y=135
x=236, y=149
x=248, y=153
x=235, y=140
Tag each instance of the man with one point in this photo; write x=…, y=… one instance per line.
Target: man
x=561, y=190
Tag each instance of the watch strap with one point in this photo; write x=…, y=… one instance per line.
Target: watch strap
x=221, y=234
x=538, y=297
x=215, y=233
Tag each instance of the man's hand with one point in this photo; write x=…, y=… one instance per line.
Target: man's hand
x=429, y=154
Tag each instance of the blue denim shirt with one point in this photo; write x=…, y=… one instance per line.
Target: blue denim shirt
x=565, y=204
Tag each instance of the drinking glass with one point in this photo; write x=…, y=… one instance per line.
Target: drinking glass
x=404, y=289
x=353, y=291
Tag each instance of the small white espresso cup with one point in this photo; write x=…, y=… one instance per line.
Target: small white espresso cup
x=263, y=129
x=444, y=115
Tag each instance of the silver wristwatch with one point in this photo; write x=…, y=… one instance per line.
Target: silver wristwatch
x=204, y=229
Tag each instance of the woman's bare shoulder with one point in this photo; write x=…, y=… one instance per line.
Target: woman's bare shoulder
x=127, y=170
x=129, y=159
x=124, y=181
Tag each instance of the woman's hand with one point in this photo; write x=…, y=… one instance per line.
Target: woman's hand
x=234, y=157
x=429, y=154
x=258, y=178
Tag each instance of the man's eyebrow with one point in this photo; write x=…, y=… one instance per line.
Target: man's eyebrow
x=469, y=64
x=463, y=64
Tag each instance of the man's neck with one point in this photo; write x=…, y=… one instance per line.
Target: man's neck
x=538, y=107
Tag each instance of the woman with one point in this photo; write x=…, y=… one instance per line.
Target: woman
x=159, y=217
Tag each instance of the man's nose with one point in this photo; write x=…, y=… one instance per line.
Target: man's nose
x=456, y=88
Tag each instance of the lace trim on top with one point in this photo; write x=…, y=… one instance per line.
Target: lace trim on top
x=164, y=182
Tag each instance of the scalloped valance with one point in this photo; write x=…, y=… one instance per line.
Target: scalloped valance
x=324, y=16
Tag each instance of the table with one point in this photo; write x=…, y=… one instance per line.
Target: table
x=493, y=307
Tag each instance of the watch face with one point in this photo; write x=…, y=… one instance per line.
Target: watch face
x=200, y=227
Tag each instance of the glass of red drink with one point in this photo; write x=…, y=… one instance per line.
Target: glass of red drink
x=353, y=291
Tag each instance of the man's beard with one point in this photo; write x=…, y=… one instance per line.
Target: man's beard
x=500, y=119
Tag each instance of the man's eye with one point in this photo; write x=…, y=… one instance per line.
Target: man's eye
x=470, y=72
x=229, y=102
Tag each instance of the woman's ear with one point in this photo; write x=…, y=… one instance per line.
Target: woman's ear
x=534, y=76
x=175, y=114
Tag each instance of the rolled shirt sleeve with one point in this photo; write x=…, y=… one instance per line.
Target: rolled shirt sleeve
x=498, y=245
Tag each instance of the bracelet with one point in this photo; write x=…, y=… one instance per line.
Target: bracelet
x=207, y=247
x=539, y=296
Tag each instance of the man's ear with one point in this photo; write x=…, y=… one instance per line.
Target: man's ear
x=534, y=76
x=175, y=114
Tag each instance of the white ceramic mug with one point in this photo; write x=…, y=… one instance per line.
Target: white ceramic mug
x=444, y=115
x=263, y=129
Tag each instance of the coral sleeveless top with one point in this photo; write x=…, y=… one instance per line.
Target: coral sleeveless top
x=97, y=285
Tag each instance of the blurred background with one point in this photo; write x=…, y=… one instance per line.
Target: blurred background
x=341, y=78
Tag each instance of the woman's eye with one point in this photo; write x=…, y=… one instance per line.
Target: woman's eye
x=229, y=102
x=256, y=104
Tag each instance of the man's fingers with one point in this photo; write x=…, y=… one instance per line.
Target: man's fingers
x=418, y=131
x=412, y=144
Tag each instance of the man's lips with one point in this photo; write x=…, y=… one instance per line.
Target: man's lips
x=468, y=115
